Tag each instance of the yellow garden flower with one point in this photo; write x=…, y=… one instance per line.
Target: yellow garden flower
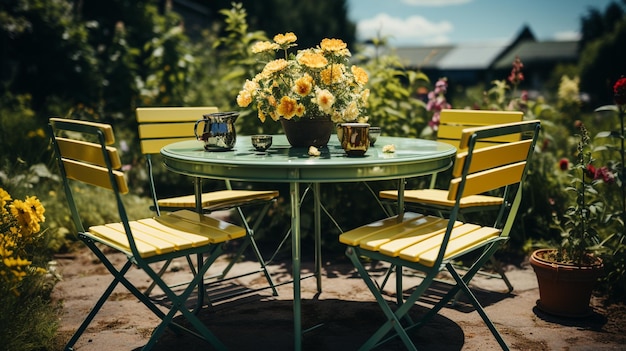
x=287, y=107
x=333, y=74
x=334, y=45
x=264, y=46
x=244, y=98
x=316, y=82
x=5, y=197
x=274, y=66
x=36, y=208
x=287, y=38
x=360, y=76
x=312, y=59
x=19, y=220
x=325, y=99
x=303, y=85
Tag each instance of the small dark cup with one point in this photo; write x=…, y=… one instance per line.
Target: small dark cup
x=261, y=142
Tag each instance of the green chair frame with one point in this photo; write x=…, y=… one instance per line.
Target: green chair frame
x=159, y=126
x=86, y=159
x=452, y=124
x=429, y=244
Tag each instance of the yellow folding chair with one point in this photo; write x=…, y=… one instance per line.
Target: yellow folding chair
x=159, y=126
x=429, y=244
x=87, y=160
x=452, y=124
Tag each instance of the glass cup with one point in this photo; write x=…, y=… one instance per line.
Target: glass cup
x=261, y=142
x=355, y=138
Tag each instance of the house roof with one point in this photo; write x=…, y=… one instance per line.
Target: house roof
x=476, y=56
x=539, y=51
x=485, y=56
x=423, y=56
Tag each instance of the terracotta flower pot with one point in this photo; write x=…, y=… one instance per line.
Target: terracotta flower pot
x=564, y=289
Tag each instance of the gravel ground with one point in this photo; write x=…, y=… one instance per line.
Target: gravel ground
x=343, y=315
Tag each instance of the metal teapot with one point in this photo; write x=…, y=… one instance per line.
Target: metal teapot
x=219, y=131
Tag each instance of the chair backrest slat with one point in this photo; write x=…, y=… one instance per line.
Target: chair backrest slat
x=94, y=175
x=489, y=157
x=493, y=167
x=86, y=161
x=453, y=121
x=88, y=152
x=481, y=182
x=159, y=126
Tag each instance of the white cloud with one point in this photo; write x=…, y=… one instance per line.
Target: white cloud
x=567, y=35
x=409, y=30
x=433, y=3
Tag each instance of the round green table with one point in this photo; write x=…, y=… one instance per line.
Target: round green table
x=282, y=163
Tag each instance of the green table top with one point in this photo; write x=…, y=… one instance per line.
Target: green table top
x=283, y=163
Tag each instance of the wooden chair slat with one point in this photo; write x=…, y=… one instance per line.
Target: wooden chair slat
x=405, y=229
x=485, y=158
x=154, y=146
x=484, y=181
x=354, y=236
x=166, y=130
x=414, y=234
x=88, y=152
x=204, y=225
x=107, y=130
x=463, y=239
x=119, y=240
x=94, y=175
x=170, y=114
x=151, y=230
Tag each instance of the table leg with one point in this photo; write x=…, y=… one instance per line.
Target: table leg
x=294, y=194
x=197, y=185
x=317, y=205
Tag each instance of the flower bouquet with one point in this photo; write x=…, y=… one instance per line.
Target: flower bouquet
x=313, y=83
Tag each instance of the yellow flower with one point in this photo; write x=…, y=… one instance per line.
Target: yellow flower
x=287, y=107
x=313, y=81
x=21, y=213
x=36, y=208
x=5, y=197
x=365, y=94
x=303, y=85
x=312, y=59
x=360, y=76
x=287, y=38
x=300, y=110
x=333, y=45
x=325, y=99
x=263, y=46
x=352, y=112
x=244, y=98
x=333, y=74
x=261, y=114
x=274, y=66
x=250, y=86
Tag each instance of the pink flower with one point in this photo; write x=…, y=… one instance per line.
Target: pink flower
x=604, y=174
x=437, y=102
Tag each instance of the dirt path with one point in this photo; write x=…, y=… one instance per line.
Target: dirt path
x=345, y=314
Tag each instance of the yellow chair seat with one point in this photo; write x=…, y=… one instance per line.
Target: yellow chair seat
x=175, y=231
x=219, y=199
x=439, y=197
x=418, y=238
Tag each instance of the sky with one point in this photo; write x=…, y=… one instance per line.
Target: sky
x=441, y=22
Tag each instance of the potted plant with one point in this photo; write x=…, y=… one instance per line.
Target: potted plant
x=568, y=274
x=302, y=89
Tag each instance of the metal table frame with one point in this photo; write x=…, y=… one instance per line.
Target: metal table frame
x=284, y=164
